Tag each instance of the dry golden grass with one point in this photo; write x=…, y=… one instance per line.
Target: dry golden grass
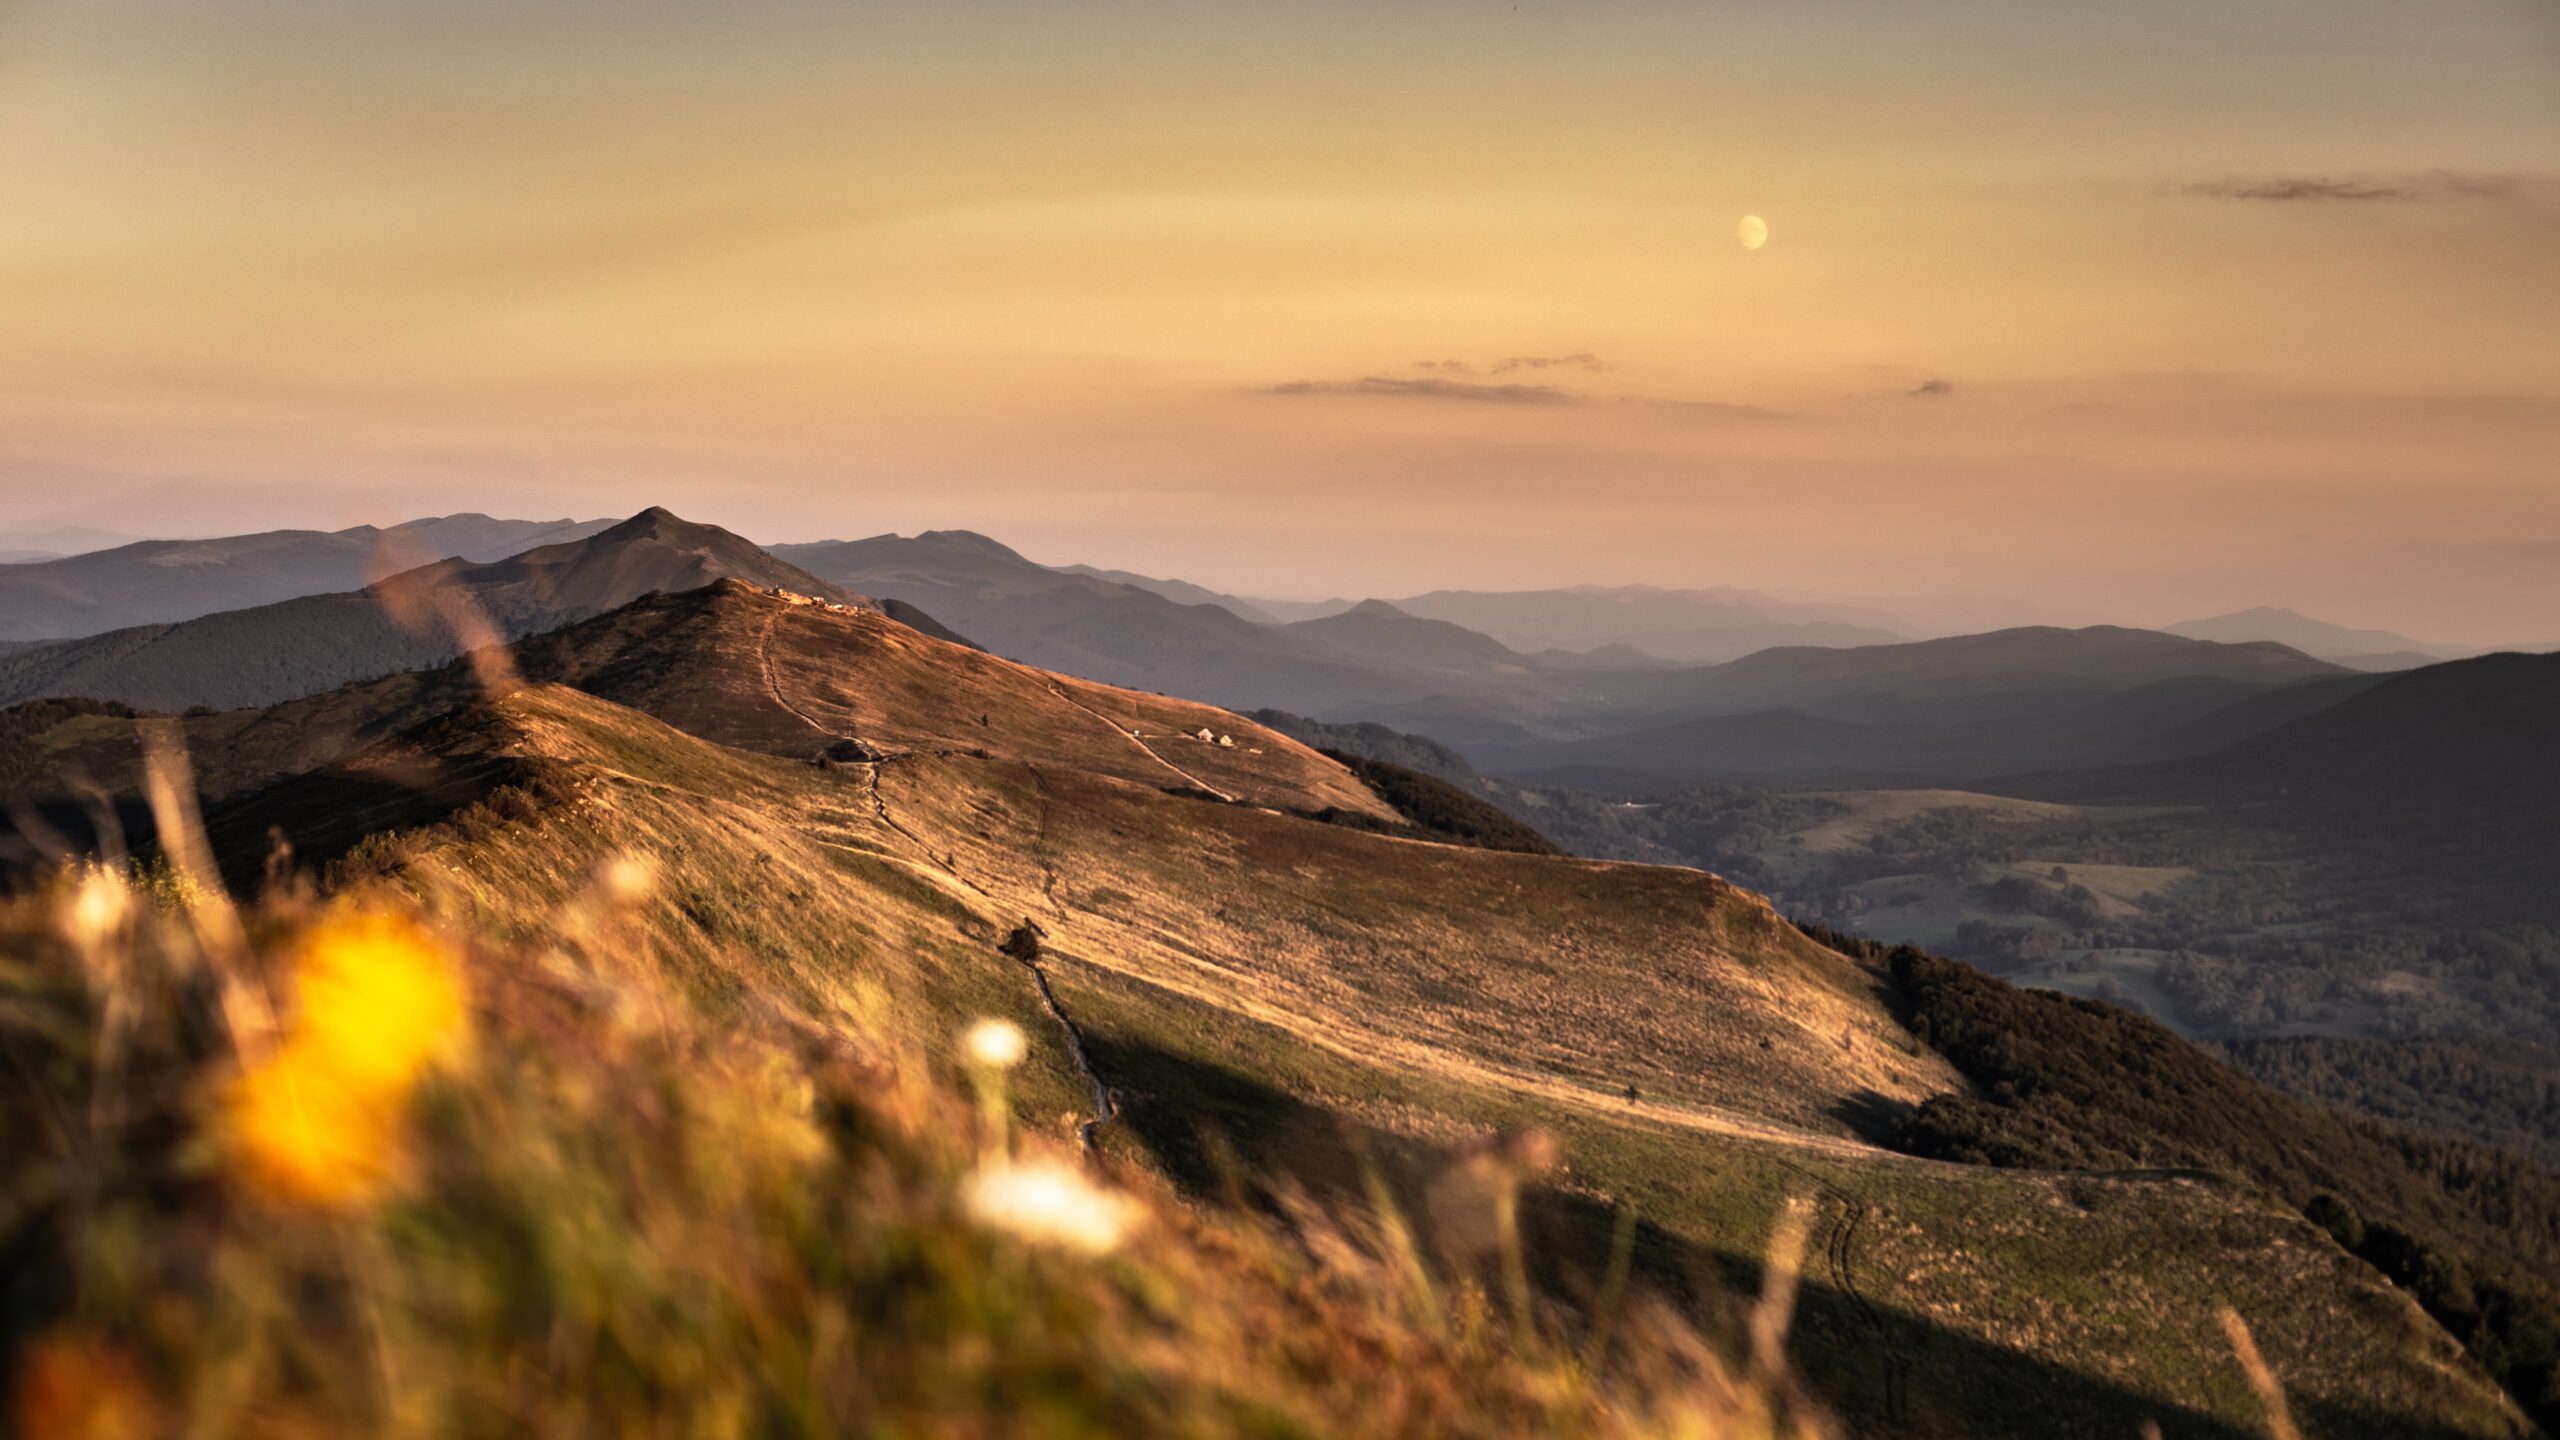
x=587, y=1205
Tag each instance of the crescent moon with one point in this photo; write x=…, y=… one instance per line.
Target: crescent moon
x=1754, y=232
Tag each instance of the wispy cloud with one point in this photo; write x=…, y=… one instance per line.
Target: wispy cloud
x=1579, y=360
x=1930, y=389
x=2438, y=185
x=1445, y=367
x=1391, y=387
x=1709, y=409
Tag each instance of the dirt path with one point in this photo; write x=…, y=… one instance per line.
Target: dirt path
x=1194, y=781
x=880, y=807
x=1104, y=1110
x=773, y=686
x=1840, y=1261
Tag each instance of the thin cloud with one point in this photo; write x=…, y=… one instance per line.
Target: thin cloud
x=1445, y=367
x=2316, y=189
x=1709, y=409
x=1394, y=388
x=1579, y=360
x=1930, y=389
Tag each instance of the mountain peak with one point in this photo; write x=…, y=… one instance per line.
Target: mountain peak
x=1378, y=609
x=969, y=542
x=657, y=521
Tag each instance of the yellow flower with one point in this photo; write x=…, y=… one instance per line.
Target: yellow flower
x=379, y=1000
x=317, y=1122
x=306, y=1137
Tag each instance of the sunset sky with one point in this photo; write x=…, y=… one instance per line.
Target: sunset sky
x=2145, y=309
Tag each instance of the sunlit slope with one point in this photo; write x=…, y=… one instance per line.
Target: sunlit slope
x=753, y=669
x=1579, y=975
x=1300, y=990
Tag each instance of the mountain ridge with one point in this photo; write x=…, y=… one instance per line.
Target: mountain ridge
x=414, y=619
x=168, y=581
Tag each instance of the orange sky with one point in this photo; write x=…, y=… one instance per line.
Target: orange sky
x=2143, y=310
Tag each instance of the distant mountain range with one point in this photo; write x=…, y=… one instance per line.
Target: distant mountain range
x=1084, y=623
x=268, y=653
x=159, y=581
x=18, y=546
x=2356, y=649
x=1691, y=626
x=2468, y=737
x=1603, y=687
x=1928, y=712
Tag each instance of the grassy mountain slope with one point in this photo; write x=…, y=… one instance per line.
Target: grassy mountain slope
x=1308, y=991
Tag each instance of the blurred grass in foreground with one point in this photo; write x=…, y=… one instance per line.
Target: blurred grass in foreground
x=317, y=1169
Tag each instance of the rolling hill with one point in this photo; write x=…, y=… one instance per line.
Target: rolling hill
x=154, y=582
x=1258, y=1005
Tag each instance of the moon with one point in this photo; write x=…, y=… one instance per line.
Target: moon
x=1754, y=232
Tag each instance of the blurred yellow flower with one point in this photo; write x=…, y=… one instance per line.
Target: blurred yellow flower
x=317, y=1122
x=304, y=1136
x=379, y=999
x=1045, y=1202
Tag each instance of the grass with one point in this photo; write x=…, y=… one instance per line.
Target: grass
x=594, y=1202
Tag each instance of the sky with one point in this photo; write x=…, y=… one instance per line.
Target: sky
x=2144, y=310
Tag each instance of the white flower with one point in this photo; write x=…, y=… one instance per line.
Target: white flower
x=995, y=1044
x=1043, y=1202
x=627, y=879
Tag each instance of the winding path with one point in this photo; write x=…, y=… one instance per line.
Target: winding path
x=1104, y=1110
x=1194, y=781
